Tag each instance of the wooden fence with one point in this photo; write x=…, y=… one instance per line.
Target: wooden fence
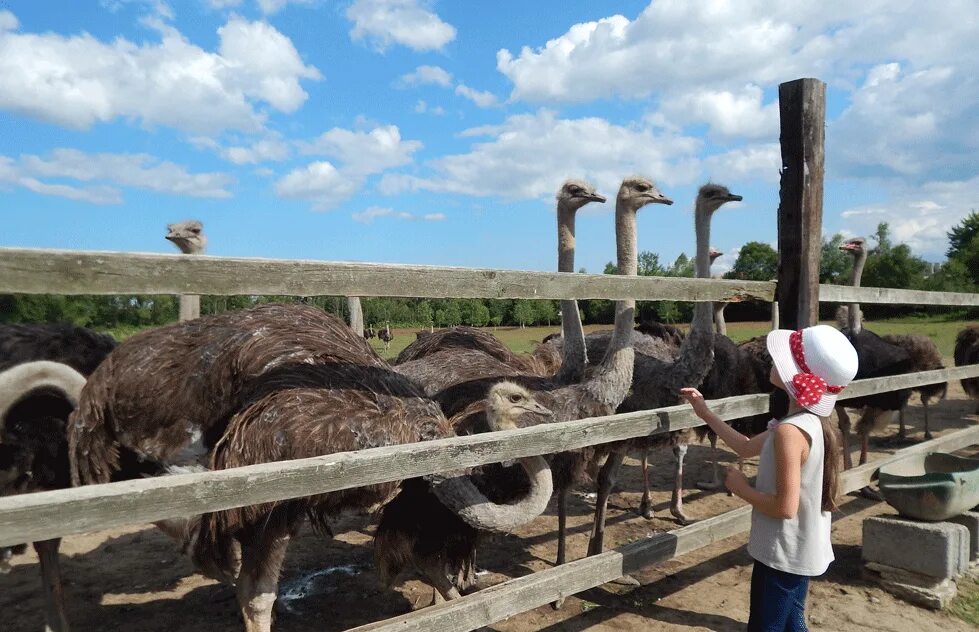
x=46, y=515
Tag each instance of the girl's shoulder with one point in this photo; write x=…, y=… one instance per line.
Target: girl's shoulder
x=806, y=421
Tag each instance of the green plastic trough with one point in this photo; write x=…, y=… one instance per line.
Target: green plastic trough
x=931, y=487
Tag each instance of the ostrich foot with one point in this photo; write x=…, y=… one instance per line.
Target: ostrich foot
x=929, y=436
x=870, y=494
x=710, y=485
x=646, y=509
x=556, y=605
x=680, y=516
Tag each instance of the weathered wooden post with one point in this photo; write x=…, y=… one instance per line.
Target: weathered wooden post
x=802, y=110
x=189, y=237
x=356, y=315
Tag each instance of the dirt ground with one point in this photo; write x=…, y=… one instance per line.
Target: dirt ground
x=136, y=579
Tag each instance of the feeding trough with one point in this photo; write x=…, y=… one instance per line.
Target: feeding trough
x=932, y=486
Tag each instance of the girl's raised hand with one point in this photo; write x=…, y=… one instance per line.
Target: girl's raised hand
x=696, y=399
x=736, y=480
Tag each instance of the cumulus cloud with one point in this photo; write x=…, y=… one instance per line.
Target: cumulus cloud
x=140, y=171
x=754, y=162
x=368, y=215
x=364, y=153
x=528, y=155
x=320, y=183
x=919, y=216
x=223, y=4
x=76, y=81
x=268, y=7
x=480, y=98
x=424, y=75
x=407, y=22
x=737, y=114
x=8, y=21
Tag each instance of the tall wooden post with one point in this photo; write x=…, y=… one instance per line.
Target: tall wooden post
x=356, y=315
x=802, y=109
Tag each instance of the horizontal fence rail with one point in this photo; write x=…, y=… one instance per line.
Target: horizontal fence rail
x=496, y=603
x=44, y=515
x=31, y=271
x=849, y=294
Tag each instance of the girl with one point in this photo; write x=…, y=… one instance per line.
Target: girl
x=798, y=473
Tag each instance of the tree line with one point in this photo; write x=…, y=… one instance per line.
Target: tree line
x=889, y=265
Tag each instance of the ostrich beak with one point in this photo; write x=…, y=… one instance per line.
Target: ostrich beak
x=537, y=409
x=731, y=197
x=594, y=197
x=658, y=198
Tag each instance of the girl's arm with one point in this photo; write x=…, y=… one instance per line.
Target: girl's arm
x=791, y=445
x=742, y=445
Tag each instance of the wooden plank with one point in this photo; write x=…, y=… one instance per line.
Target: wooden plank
x=532, y=591
x=802, y=112
x=859, y=388
x=76, y=272
x=848, y=294
x=44, y=515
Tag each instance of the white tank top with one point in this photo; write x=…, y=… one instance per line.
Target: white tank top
x=799, y=545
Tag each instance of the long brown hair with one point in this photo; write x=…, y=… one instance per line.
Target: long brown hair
x=832, y=464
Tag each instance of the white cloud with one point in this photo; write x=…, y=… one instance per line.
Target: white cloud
x=130, y=170
x=320, y=183
x=528, y=155
x=223, y=4
x=424, y=75
x=364, y=153
x=371, y=213
x=269, y=7
x=481, y=99
x=76, y=81
x=267, y=149
x=740, y=114
x=8, y=21
x=918, y=216
x=754, y=162
x=406, y=22
x=421, y=107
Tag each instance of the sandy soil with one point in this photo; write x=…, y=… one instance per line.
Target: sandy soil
x=136, y=579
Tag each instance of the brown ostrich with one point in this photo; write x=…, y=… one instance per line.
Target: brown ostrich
x=189, y=237
x=925, y=356
x=42, y=371
x=386, y=336
x=468, y=373
x=877, y=358
x=573, y=195
x=967, y=352
x=263, y=384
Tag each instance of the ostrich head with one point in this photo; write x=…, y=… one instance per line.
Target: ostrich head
x=855, y=246
x=713, y=196
x=188, y=236
x=638, y=191
x=506, y=401
x=714, y=254
x=574, y=194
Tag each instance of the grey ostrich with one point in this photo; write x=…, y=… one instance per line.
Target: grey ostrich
x=661, y=370
x=239, y=386
x=572, y=195
x=189, y=237
x=967, y=352
x=42, y=371
x=599, y=394
x=877, y=358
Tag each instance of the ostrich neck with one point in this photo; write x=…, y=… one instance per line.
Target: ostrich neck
x=853, y=312
x=614, y=376
x=697, y=351
x=574, y=356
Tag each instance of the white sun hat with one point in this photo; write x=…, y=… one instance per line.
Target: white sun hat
x=815, y=364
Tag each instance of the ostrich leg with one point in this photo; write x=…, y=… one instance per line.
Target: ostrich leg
x=258, y=581
x=901, y=431
x=562, y=526
x=716, y=483
x=606, y=481
x=676, y=502
x=54, y=595
x=645, y=505
x=924, y=404
x=844, y=422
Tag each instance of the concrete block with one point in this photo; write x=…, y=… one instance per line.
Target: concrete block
x=936, y=549
x=915, y=588
x=970, y=520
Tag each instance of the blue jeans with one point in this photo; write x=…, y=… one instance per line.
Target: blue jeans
x=778, y=600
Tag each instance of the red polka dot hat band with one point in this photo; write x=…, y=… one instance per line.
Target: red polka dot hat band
x=809, y=387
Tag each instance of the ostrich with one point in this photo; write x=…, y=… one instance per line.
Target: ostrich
x=925, y=356
x=877, y=358
x=572, y=195
x=42, y=371
x=720, y=325
x=370, y=332
x=262, y=384
x=356, y=312
x=249, y=544
x=599, y=394
x=967, y=352
x=189, y=237
x=386, y=336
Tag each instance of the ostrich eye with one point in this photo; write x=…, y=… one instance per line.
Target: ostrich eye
x=575, y=190
x=196, y=231
x=642, y=188
x=515, y=398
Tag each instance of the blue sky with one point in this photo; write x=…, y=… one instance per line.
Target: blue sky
x=437, y=132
